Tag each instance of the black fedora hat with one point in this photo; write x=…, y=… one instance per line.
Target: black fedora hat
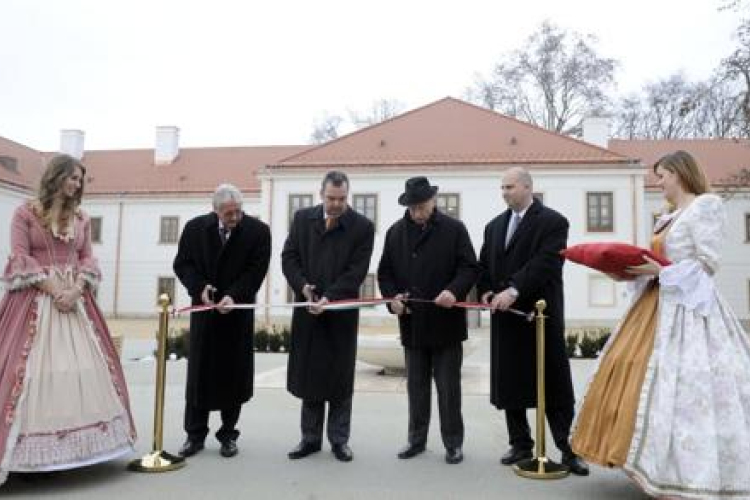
x=417, y=190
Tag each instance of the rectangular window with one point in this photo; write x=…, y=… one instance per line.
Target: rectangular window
x=96, y=229
x=747, y=228
x=367, y=289
x=297, y=202
x=169, y=230
x=367, y=205
x=449, y=204
x=599, y=212
x=165, y=284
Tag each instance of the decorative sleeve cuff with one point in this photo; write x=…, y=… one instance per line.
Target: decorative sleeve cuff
x=688, y=283
x=22, y=271
x=90, y=273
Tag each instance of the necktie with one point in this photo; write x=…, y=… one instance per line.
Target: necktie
x=514, y=221
x=224, y=233
x=330, y=223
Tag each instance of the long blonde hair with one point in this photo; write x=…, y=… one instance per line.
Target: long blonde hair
x=59, y=168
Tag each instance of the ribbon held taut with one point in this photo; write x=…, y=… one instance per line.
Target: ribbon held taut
x=342, y=305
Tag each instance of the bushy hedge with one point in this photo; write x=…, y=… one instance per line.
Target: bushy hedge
x=586, y=342
x=276, y=339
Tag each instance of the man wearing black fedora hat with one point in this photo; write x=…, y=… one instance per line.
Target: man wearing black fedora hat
x=428, y=257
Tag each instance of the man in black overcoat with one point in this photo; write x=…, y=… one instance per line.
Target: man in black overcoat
x=325, y=258
x=521, y=264
x=428, y=256
x=222, y=259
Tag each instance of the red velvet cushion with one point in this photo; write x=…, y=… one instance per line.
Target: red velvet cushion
x=610, y=257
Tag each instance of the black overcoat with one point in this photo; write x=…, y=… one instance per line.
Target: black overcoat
x=440, y=258
x=324, y=347
x=220, y=364
x=533, y=265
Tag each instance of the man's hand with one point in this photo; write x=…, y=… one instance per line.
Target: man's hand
x=445, y=299
x=397, y=306
x=223, y=303
x=308, y=291
x=207, y=295
x=503, y=300
x=317, y=307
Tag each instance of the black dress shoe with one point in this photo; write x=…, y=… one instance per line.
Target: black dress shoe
x=229, y=448
x=411, y=450
x=190, y=448
x=303, y=449
x=342, y=452
x=515, y=455
x=454, y=455
x=575, y=464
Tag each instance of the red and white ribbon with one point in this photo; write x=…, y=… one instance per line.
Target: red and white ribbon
x=342, y=305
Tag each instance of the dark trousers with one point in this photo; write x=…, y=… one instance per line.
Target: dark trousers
x=559, y=419
x=444, y=365
x=339, y=421
x=196, y=423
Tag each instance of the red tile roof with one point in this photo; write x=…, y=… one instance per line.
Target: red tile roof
x=720, y=158
x=22, y=166
x=195, y=170
x=452, y=132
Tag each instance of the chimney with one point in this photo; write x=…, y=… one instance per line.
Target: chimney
x=71, y=143
x=167, y=147
x=596, y=130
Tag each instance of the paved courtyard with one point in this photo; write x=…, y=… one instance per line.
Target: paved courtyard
x=270, y=428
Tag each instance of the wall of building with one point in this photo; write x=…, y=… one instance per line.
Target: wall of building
x=591, y=298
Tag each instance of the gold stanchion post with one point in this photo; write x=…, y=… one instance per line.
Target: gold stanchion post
x=159, y=460
x=540, y=467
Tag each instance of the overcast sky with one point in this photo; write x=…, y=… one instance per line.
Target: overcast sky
x=244, y=72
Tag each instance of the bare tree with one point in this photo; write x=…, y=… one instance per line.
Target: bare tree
x=381, y=110
x=554, y=81
x=675, y=108
x=326, y=129
x=737, y=68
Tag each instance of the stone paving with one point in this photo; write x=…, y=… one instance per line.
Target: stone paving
x=270, y=428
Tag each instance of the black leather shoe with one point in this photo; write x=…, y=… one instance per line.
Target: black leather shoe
x=575, y=464
x=342, y=452
x=303, y=449
x=411, y=450
x=515, y=455
x=229, y=448
x=190, y=448
x=454, y=455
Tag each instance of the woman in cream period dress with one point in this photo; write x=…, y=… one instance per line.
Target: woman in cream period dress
x=63, y=398
x=670, y=399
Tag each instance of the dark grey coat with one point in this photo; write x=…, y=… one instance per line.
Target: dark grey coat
x=324, y=347
x=441, y=258
x=220, y=364
x=533, y=265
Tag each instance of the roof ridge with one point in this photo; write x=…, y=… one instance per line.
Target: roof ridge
x=363, y=130
x=537, y=127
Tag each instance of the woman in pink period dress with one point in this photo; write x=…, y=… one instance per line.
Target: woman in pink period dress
x=63, y=398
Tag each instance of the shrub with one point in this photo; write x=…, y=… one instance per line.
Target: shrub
x=571, y=345
x=274, y=342
x=604, y=334
x=286, y=338
x=589, y=346
x=261, y=340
